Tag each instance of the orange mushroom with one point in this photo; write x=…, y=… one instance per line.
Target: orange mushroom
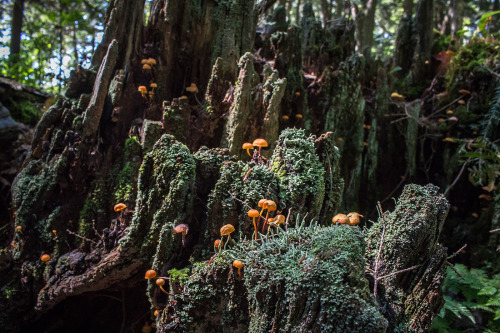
x=354, y=218
x=260, y=143
x=253, y=213
x=151, y=62
x=150, y=274
x=298, y=116
x=143, y=90
x=45, y=258
x=153, y=86
x=247, y=146
x=156, y=313
x=271, y=207
x=226, y=230
x=218, y=244
x=238, y=264
x=183, y=230
x=20, y=229
x=120, y=207
x=146, y=67
x=340, y=219
x=285, y=117
x=192, y=88
x=160, y=283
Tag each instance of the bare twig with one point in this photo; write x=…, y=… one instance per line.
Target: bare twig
x=492, y=72
x=400, y=271
x=495, y=230
x=457, y=178
x=375, y=271
x=81, y=237
x=456, y=253
x=455, y=270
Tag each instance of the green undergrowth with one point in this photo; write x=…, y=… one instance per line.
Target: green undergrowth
x=309, y=278
x=467, y=295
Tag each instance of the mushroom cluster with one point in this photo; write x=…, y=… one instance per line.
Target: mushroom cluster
x=261, y=143
x=148, y=66
x=349, y=219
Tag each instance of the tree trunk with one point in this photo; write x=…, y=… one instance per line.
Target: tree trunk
x=16, y=27
x=365, y=24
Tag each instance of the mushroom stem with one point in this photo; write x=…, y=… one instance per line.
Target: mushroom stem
x=183, y=235
x=248, y=152
x=258, y=221
x=239, y=272
x=265, y=221
x=255, y=227
x=161, y=287
x=211, y=259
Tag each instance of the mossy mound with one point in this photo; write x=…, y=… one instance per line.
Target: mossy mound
x=294, y=179
x=166, y=178
x=300, y=172
x=306, y=279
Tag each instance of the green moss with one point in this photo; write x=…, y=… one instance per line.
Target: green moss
x=300, y=173
x=180, y=276
x=310, y=278
x=125, y=179
x=94, y=205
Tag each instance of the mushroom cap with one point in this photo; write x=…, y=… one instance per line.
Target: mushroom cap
x=226, y=230
x=253, y=213
x=45, y=257
x=297, y=93
x=354, y=218
x=120, y=207
x=192, y=88
x=340, y=218
x=397, y=97
x=181, y=228
x=247, y=145
x=160, y=282
x=449, y=112
x=156, y=313
x=271, y=205
x=262, y=202
x=150, y=274
x=298, y=116
x=153, y=85
x=144, y=61
x=279, y=219
x=151, y=61
x=19, y=227
x=218, y=242
x=285, y=117
x=183, y=97
x=142, y=89
x=146, y=67
x=453, y=119
x=461, y=102
x=464, y=92
x=260, y=143
x=238, y=264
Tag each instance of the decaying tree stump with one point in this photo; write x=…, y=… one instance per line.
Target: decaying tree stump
x=158, y=154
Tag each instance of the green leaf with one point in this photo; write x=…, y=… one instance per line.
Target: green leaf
x=484, y=18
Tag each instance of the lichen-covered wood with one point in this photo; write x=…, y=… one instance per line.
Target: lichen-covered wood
x=308, y=279
x=411, y=299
